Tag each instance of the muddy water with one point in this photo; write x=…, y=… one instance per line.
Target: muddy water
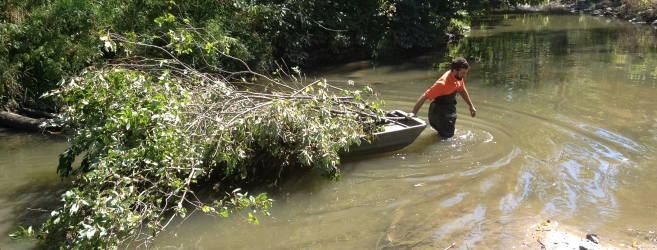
x=29, y=187
x=566, y=130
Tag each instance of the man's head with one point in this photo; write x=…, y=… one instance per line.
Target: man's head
x=459, y=68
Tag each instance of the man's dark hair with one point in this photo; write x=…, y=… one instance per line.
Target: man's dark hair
x=460, y=63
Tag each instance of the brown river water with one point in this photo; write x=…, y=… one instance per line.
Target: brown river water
x=566, y=130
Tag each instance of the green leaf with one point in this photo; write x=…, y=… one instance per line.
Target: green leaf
x=208, y=47
x=253, y=219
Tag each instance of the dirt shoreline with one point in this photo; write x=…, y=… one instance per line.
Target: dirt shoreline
x=552, y=236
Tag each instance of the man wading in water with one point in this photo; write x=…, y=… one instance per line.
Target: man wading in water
x=442, y=112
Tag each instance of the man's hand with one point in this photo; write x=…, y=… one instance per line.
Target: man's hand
x=473, y=111
x=410, y=116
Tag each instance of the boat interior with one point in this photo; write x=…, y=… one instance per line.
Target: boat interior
x=396, y=120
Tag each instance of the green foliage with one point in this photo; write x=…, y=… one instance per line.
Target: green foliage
x=44, y=46
x=140, y=158
x=459, y=25
x=59, y=38
x=148, y=135
x=43, y=41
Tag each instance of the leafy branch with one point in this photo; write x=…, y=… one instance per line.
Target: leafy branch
x=151, y=131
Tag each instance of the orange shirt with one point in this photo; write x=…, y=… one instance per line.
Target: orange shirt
x=445, y=85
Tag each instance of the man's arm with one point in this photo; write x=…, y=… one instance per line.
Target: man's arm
x=417, y=107
x=466, y=98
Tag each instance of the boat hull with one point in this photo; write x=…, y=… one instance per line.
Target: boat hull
x=398, y=134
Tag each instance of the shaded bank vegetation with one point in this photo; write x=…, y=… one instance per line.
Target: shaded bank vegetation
x=43, y=41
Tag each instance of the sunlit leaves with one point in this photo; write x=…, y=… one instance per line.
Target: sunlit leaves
x=167, y=18
x=146, y=137
x=137, y=156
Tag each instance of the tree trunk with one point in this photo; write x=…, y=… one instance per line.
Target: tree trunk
x=19, y=122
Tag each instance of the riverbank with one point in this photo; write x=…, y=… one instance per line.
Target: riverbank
x=630, y=10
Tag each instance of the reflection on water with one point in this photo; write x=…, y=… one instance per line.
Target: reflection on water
x=565, y=130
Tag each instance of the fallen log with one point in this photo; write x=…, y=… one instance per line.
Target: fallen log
x=19, y=122
x=33, y=113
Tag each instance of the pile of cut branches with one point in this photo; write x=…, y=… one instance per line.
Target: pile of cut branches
x=149, y=129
